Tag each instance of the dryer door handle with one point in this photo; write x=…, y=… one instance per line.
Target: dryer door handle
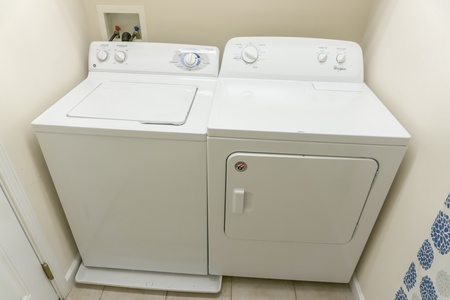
x=238, y=201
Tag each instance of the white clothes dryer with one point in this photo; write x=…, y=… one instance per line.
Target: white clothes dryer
x=126, y=150
x=301, y=156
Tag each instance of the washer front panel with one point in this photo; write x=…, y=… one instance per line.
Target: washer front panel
x=147, y=103
x=131, y=203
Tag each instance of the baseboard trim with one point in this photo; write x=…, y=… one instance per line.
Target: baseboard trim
x=70, y=275
x=356, y=288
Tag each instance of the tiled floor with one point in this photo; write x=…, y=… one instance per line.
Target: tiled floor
x=233, y=288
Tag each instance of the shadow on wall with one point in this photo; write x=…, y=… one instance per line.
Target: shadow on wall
x=428, y=274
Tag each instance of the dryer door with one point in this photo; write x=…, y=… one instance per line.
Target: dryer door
x=296, y=198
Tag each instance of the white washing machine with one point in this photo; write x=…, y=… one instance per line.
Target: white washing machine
x=301, y=156
x=126, y=150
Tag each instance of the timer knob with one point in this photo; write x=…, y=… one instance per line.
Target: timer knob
x=120, y=56
x=102, y=55
x=340, y=58
x=250, y=54
x=190, y=59
x=322, y=57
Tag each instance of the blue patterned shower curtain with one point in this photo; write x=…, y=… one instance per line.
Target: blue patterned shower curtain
x=428, y=275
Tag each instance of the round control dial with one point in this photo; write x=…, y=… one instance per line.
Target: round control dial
x=340, y=58
x=120, y=56
x=191, y=59
x=102, y=55
x=250, y=54
x=322, y=57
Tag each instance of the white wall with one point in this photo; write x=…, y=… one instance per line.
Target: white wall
x=43, y=49
x=215, y=22
x=407, y=48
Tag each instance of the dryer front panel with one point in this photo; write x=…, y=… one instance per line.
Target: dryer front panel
x=296, y=198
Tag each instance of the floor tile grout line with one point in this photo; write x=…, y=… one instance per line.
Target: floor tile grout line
x=231, y=288
x=101, y=295
x=295, y=291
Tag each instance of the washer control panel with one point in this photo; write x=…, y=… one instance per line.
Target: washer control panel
x=190, y=59
x=154, y=58
x=109, y=54
x=293, y=59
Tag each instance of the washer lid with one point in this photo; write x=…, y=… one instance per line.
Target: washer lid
x=150, y=103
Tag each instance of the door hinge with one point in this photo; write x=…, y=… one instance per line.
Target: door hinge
x=47, y=271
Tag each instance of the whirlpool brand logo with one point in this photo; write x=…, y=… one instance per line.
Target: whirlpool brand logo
x=339, y=69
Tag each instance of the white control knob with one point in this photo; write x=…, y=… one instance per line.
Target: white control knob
x=322, y=57
x=102, y=55
x=250, y=54
x=190, y=59
x=120, y=56
x=340, y=58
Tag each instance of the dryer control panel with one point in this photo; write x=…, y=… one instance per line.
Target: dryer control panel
x=157, y=58
x=288, y=58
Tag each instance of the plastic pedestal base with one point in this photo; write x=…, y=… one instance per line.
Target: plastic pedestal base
x=149, y=280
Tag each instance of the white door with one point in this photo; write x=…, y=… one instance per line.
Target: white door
x=21, y=274
x=296, y=198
